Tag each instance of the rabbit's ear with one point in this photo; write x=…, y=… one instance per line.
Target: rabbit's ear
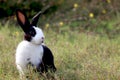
x=35, y=19
x=23, y=20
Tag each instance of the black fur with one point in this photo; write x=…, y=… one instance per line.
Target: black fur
x=31, y=33
x=35, y=19
x=25, y=26
x=47, y=61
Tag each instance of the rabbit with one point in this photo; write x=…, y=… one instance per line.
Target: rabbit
x=32, y=49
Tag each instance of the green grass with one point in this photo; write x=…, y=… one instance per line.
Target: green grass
x=78, y=55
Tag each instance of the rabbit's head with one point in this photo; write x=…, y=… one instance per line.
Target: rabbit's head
x=33, y=34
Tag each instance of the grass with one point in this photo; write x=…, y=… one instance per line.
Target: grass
x=78, y=55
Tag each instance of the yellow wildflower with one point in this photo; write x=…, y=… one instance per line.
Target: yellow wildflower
x=17, y=33
x=104, y=11
x=91, y=15
x=47, y=25
x=14, y=18
x=61, y=23
x=108, y=1
x=75, y=5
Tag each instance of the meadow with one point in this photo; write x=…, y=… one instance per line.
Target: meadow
x=84, y=37
x=78, y=55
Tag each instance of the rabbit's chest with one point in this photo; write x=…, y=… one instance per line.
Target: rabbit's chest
x=35, y=55
x=29, y=54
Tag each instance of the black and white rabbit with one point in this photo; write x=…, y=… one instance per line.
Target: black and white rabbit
x=31, y=50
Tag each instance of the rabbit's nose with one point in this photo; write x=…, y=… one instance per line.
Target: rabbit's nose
x=42, y=38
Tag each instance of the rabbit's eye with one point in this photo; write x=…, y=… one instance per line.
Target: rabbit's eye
x=32, y=33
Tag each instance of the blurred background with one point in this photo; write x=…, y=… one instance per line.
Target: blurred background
x=82, y=15
x=84, y=36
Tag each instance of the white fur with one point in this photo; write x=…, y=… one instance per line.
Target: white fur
x=29, y=52
x=39, y=37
